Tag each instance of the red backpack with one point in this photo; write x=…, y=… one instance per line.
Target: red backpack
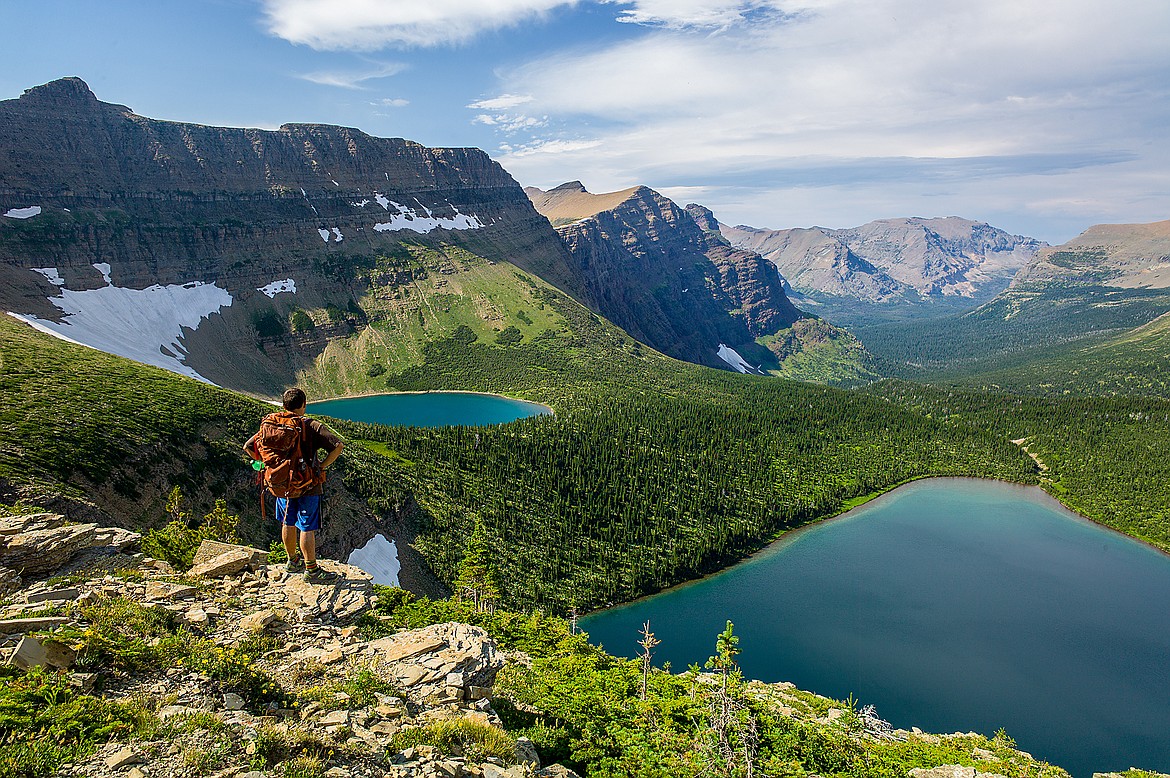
x=289, y=469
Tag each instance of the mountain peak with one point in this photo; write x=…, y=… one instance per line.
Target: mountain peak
x=570, y=186
x=63, y=91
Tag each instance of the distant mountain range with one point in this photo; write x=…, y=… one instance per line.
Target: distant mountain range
x=1082, y=316
x=892, y=268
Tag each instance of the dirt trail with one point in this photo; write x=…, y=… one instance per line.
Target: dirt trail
x=1039, y=462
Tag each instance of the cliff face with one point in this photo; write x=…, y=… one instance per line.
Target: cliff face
x=894, y=260
x=94, y=197
x=651, y=269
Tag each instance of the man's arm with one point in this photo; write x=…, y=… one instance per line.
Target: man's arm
x=250, y=447
x=334, y=454
x=329, y=441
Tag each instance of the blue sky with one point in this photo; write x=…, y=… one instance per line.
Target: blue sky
x=1040, y=117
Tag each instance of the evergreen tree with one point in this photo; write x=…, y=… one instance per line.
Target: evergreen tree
x=477, y=577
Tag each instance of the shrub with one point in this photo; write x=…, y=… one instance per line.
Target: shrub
x=177, y=542
x=45, y=722
x=509, y=336
x=474, y=739
x=376, y=370
x=299, y=321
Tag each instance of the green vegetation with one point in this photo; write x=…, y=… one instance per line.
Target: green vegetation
x=584, y=708
x=814, y=350
x=473, y=739
x=177, y=542
x=1104, y=456
x=1015, y=327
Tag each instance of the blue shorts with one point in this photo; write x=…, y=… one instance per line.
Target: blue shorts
x=303, y=512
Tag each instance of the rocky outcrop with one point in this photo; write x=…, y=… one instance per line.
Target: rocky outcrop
x=35, y=544
x=894, y=261
x=652, y=270
x=442, y=672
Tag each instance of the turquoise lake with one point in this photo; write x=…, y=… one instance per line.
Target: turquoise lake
x=950, y=605
x=430, y=409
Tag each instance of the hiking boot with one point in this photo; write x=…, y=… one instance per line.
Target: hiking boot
x=320, y=575
x=295, y=566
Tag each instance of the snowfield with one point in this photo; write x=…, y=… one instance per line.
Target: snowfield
x=409, y=219
x=732, y=357
x=23, y=213
x=379, y=558
x=276, y=287
x=146, y=325
x=52, y=274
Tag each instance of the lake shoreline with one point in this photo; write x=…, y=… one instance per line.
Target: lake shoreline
x=872, y=500
x=550, y=410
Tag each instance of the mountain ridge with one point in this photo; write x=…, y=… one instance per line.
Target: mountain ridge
x=909, y=266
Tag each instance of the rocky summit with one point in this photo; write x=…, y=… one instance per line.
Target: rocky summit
x=901, y=262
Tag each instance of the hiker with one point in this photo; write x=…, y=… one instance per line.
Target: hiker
x=287, y=444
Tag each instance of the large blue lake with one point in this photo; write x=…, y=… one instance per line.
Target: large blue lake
x=430, y=409
x=951, y=605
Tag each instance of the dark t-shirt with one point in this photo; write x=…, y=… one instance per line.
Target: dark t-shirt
x=317, y=437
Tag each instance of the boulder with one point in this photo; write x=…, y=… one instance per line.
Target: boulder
x=556, y=771
x=210, y=549
x=20, y=626
x=42, y=551
x=54, y=595
x=440, y=660
x=116, y=537
x=228, y=563
x=257, y=621
x=526, y=753
x=345, y=600
x=123, y=758
x=29, y=653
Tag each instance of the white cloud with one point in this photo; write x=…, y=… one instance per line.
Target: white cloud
x=391, y=102
x=864, y=103
x=509, y=123
x=700, y=14
x=501, y=103
x=353, y=79
x=547, y=147
x=368, y=25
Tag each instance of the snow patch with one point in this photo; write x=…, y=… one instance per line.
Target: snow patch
x=104, y=269
x=276, y=287
x=52, y=274
x=324, y=233
x=361, y=204
x=334, y=180
x=146, y=325
x=23, y=213
x=409, y=219
x=382, y=201
x=337, y=236
x=738, y=363
x=379, y=558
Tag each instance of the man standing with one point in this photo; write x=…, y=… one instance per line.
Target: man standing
x=301, y=514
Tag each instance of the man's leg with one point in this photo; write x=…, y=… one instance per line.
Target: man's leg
x=288, y=535
x=308, y=522
x=309, y=547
